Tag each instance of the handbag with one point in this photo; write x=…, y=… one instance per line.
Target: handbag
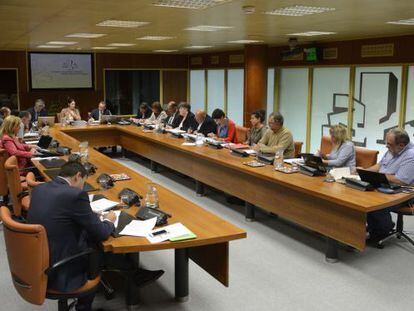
x=105, y=181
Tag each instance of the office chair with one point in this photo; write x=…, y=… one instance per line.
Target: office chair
x=298, y=148
x=30, y=277
x=326, y=145
x=32, y=182
x=4, y=190
x=241, y=133
x=399, y=232
x=18, y=195
x=365, y=157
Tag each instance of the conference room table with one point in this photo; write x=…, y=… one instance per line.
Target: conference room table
x=210, y=248
x=331, y=209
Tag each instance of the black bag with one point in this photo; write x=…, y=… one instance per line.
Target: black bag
x=146, y=212
x=105, y=181
x=133, y=197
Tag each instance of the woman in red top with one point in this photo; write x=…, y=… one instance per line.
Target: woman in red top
x=226, y=128
x=11, y=143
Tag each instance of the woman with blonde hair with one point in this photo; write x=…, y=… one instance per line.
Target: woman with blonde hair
x=9, y=141
x=343, y=150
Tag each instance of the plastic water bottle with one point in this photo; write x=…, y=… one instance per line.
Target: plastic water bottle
x=151, y=197
x=278, y=162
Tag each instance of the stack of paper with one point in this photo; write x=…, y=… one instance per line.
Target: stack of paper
x=117, y=213
x=175, y=131
x=342, y=172
x=140, y=228
x=102, y=205
x=172, y=232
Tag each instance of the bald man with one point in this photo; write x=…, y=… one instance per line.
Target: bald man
x=206, y=124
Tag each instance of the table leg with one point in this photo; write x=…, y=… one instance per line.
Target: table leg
x=154, y=167
x=331, y=255
x=181, y=275
x=132, y=296
x=200, y=191
x=249, y=211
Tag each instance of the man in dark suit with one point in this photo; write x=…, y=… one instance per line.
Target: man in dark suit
x=174, y=118
x=38, y=110
x=205, y=124
x=63, y=208
x=144, y=111
x=100, y=111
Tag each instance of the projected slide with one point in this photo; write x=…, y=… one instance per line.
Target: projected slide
x=61, y=71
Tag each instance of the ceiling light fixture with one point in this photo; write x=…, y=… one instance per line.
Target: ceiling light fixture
x=189, y=4
x=409, y=22
x=85, y=35
x=165, y=51
x=50, y=46
x=198, y=47
x=155, y=38
x=62, y=42
x=208, y=28
x=122, y=24
x=121, y=44
x=311, y=33
x=104, y=48
x=299, y=10
x=246, y=41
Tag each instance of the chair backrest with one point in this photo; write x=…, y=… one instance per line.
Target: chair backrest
x=365, y=157
x=241, y=133
x=326, y=145
x=298, y=148
x=13, y=181
x=3, y=177
x=31, y=182
x=28, y=256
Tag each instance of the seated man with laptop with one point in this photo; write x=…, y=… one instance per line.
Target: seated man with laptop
x=398, y=166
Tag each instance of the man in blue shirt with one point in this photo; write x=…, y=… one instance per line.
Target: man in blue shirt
x=398, y=165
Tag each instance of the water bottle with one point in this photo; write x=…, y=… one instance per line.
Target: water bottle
x=278, y=162
x=83, y=151
x=151, y=197
x=199, y=139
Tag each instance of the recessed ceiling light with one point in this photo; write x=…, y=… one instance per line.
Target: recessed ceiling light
x=155, y=38
x=245, y=41
x=299, y=10
x=189, y=4
x=104, y=48
x=409, y=22
x=165, y=51
x=50, y=46
x=121, y=44
x=123, y=24
x=208, y=28
x=85, y=35
x=311, y=33
x=198, y=47
x=62, y=42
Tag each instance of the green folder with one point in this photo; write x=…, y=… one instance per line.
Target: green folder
x=187, y=236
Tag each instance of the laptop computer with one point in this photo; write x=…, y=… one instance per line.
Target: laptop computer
x=377, y=180
x=44, y=141
x=314, y=161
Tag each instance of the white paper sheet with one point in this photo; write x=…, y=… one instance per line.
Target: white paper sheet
x=102, y=205
x=30, y=135
x=32, y=142
x=189, y=144
x=297, y=160
x=117, y=213
x=172, y=231
x=140, y=228
x=250, y=151
x=341, y=172
x=43, y=158
x=175, y=131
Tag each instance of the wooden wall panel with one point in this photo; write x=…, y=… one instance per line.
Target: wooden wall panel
x=174, y=85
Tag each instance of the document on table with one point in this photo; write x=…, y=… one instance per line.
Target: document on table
x=250, y=151
x=175, y=131
x=117, y=213
x=168, y=232
x=43, y=158
x=32, y=142
x=342, y=172
x=102, y=205
x=294, y=160
x=140, y=228
x=27, y=135
x=188, y=144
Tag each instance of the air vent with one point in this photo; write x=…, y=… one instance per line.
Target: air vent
x=196, y=60
x=330, y=53
x=214, y=60
x=377, y=50
x=236, y=59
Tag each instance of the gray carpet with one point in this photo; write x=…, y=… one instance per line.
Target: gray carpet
x=278, y=267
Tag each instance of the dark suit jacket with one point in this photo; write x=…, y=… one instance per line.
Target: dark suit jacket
x=95, y=113
x=41, y=113
x=71, y=227
x=208, y=126
x=189, y=122
x=176, y=120
x=146, y=115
